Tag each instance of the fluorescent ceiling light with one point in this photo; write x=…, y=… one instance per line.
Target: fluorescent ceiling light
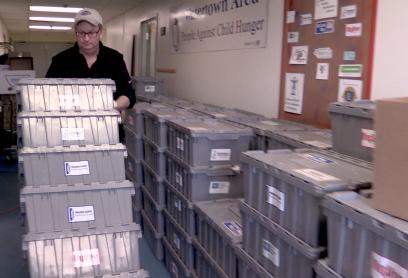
x=54, y=9
x=53, y=19
x=43, y=27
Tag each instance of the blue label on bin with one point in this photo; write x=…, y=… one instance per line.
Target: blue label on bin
x=318, y=158
x=234, y=227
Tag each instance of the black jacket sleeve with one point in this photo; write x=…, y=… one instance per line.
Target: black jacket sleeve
x=124, y=83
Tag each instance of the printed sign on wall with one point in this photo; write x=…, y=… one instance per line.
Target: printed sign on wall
x=294, y=92
x=209, y=25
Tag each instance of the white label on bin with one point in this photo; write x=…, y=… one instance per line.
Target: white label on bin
x=220, y=154
x=81, y=214
x=179, y=179
x=174, y=270
x=316, y=175
x=234, y=227
x=318, y=144
x=150, y=88
x=270, y=252
x=177, y=204
x=219, y=115
x=72, y=134
x=180, y=144
x=275, y=197
x=176, y=241
x=219, y=187
x=84, y=258
x=270, y=123
x=76, y=168
x=318, y=158
x=368, y=138
x=384, y=268
x=69, y=101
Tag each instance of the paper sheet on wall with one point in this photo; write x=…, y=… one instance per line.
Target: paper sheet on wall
x=294, y=84
x=299, y=55
x=350, y=89
x=322, y=71
x=325, y=9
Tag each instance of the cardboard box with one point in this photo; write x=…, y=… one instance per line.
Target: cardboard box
x=391, y=157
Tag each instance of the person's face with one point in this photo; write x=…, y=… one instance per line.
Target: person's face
x=87, y=35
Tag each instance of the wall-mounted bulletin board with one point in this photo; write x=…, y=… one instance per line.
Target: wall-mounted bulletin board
x=327, y=56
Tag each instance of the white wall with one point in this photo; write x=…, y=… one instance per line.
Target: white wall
x=390, y=73
x=246, y=79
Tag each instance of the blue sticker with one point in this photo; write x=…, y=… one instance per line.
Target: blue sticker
x=324, y=27
x=349, y=55
x=318, y=158
x=233, y=227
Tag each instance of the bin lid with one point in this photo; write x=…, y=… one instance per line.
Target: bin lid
x=358, y=108
x=320, y=139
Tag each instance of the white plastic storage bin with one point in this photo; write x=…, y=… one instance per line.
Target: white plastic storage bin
x=50, y=129
x=173, y=263
x=278, y=251
x=134, y=144
x=59, y=94
x=219, y=229
x=248, y=267
x=288, y=186
x=207, y=142
x=201, y=183
x=153, y=238
x=79, y=207
x=364, y=242
x=72, y=165
x=313, y=139
x=353, y=128
x=77, y=254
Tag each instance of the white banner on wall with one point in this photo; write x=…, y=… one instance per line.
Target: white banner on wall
x=209, y=25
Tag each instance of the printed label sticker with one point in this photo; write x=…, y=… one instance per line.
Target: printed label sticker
x=316, y=175
x=69, y=101
x=76, y=168
x=150, y=88
x=84, y=258
x=220, y=154
x=382, y=267
x=219, y=187
x=275, y=197
x=368, y=138
x=177, y=204
x=270, y=252
x=176, y=241
x=234, y=227
x=179, y=179
x=72, y=134
x=180, y=144
x=81, y=214
x=324, y=27
x=318, y=158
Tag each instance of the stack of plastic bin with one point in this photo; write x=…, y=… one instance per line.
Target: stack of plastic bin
x=362, y=241
x=154, y=171
x=218, y=233
x=352, y=125
x=200, y=157
x=148, y=85
x=76, y=201
x=282, y=219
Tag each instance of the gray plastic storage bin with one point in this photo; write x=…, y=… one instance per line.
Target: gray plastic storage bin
x=80, y=207
x=134, y=144
x=134, y=117
x=248, y=267
x=364, y=242
x=287, y=186
x=323, y=270
x=153, y=238
x=313, y=139
x=92, y=254
x=50, y=129
x=155, y=127
x=219, y=229
x=65, y=94
x=138, y=274
x=153, y=211
x=205, y=266
x=154, y=184
x=278, y=251
x=180, y=209
x=137, y=205
x=180, y=241
x=201, y=183
x=207, y=142
x=154, y=157
x=147, y=84
x=72, y=165
x=353, y=130
x=134, y=170
x=174, y=264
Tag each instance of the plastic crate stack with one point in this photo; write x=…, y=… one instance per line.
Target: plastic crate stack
x=284, y=230
x=76, y=201
x=200, y=158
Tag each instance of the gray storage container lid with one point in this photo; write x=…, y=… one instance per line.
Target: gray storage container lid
x=141, y=273
x=58, y=114
x=321, y=139
x=224, y=216
x=164, y=114
x=262, y=126
x=358, y=108
x=360, y=210
x=200, y=127
x=66, y=81
x=73, y=149
x=139, y=107
x=321, y=171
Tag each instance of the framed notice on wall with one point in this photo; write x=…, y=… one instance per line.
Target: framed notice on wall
x=329, y=43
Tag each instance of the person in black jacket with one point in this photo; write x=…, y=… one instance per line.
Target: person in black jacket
x=89, y=58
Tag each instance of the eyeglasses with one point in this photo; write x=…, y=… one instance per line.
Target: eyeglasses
x=89, y=34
